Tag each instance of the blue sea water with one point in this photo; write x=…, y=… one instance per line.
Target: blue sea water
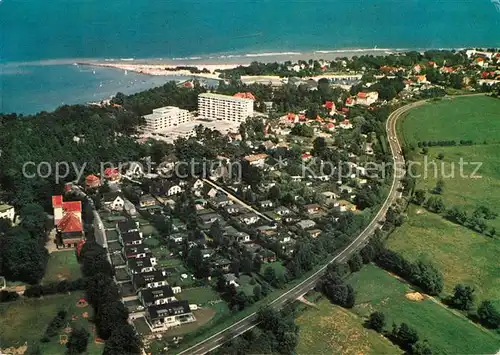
x=36, y=30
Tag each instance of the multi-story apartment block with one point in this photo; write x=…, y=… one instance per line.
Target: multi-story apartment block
x=223, y=107
x=166, y=117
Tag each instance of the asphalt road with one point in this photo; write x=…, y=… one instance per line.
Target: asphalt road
x=249, y=322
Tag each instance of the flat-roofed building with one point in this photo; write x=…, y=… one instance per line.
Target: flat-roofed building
x=166, y=117
x=223, y=107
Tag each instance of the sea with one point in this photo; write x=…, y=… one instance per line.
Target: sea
x=41, y=40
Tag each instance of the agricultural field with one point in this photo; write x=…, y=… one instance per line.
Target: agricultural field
x=462, y=255
x=475, y=118
x=25, y=321
x=330, y=329
x=62, y=265
x=447, y=331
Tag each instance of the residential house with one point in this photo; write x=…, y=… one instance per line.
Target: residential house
x=219, y=201
x=329, y=196
x=249, y=218
x=312, y=208
x=314, y=233
x=113, y=201
x=147, y=201
x=136, y=251
x=152, y=279
x=135, y=169
x=345, y=206
x=266, y=204
x=197, y=185
x=234, y=209
x=267, y=256
x=178, y=237
x=92, y=182
x=366, y=98
x=67, y=220
x=306, y=224
x=231, y=280
x=212, y=192
x=222, y=264
x=112, y=174
x=207, y=219
x=130, y=238
x=282, y=211
x=207, y=253
x=345, y=189
x=257, y=160
x=129, y=208
x=163, y=317
x=156, y=296
x=268, y=145
x=345, y=124
x=140, y=265
x=7, y=212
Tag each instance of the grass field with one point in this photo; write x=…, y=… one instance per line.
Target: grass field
x=199, y=295
x=447, y=332
x=461, y=254
x=62, y=265
x=475, y=118
x=26, y=320
x=330, y=329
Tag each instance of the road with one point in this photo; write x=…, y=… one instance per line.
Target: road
x=249, y=322
x=237, y=200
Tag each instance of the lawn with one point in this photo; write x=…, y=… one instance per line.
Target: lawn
x=62, y=265
x=475, y=118
x=26, y=320
x=464, y=190
x=330, y=329
x=447, y=332
x=198, y=295
x=461, y=254
x=278, y=267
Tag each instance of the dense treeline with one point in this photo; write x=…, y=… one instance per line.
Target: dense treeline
x=420, y=273
x=110, y=314
x=276, y=333
x=449, y=143
x=7, y=296
x=52, y=288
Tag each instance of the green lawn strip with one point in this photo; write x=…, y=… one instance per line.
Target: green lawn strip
x=62, y=265
x=330, y=329
x=461, y=254
x=447, y=332
x=198, y=295
x=26, y=320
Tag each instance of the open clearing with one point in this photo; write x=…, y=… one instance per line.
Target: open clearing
x=475, y=118
x=461, y=254
x=447, y=331
x=26, y=320
x=62, y=265
x=330, y=329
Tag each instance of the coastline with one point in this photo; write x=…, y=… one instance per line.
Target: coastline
x=157, y=66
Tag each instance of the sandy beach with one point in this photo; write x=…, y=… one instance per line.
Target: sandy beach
x=220, y=62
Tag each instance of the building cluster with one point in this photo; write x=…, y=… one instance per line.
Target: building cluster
x=68, y=222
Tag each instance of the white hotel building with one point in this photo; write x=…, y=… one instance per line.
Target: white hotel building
x=164, y=118
x=223, y=107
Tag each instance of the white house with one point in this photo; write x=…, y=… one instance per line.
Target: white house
x=7, y=212
x=174, y=190
x=163, y=317
x=156, y=296
x=198, y=184
x=249, y=218
x=366, y=98
x=113, y=201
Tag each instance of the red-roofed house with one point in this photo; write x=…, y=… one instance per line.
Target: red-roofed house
x=480, y=62
x=112, y=174
x=366, y=98
x=330, y=105
x=330, y=127
x=68, y=222
x=350, y=101
x=306, y=156
x=92, y=181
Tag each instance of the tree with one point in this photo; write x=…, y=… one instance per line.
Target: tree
x=425, y=150
x=376, y=321
x=488, y=315
x=123, y=340
x=440, y=156
x=367, y=254
x=421, y=348
x=406, y=336
x=355, y=262
x=78, y=340
x=463, y=297
x=419, y=196
x=109, y=316
x=439, y=186
x=257, y=292
x=270, y=274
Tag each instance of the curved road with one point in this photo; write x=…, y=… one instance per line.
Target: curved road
x=249, y=322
